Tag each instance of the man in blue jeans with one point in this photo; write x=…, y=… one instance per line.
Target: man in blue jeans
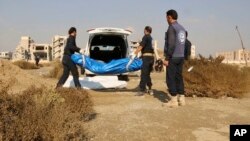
x=175, y=38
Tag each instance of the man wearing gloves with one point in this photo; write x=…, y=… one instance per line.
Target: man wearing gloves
x=175, y=38
x=147, y=51
x=68, y=64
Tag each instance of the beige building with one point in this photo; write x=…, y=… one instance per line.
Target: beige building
x=6, y=55
x=27, y=49
x=192, y=56
x=43, y=51
x=235, y=57
x=23, y=49
x=58, y=44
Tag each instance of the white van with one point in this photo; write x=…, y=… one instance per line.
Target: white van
x=105, y=44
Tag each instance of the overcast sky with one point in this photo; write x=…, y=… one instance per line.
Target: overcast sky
x=210, y=23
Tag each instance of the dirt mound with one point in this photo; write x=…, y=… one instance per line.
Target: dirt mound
x=44, y=114
x=25, y=65
x=21, y=79
x=211, y=78
x=57, y=70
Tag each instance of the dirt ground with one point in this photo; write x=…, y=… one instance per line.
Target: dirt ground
x=120, y=116
x=124, y=117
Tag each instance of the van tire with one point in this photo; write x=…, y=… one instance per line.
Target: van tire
x=90, y=75
x=82, y=71
x=123, y=77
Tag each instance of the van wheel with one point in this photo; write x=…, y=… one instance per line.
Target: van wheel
x=123, y=77
x=90, y=75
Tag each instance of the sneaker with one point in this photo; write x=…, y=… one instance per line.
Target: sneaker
x=151, y=92
x=173, y=102
x=140, y=93
x=181, y=100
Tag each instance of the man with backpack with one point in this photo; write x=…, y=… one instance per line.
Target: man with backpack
x=175, y=39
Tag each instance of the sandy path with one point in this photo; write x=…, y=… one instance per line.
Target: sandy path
x=124, y=117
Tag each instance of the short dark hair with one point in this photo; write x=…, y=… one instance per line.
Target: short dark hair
x=148, y=29
x=172, y=13
x=71, y=30
x=186, y=34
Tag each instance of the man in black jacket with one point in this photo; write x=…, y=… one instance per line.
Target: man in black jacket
x=147, y=51
x=68, y=64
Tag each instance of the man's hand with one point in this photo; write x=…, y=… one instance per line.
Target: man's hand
x=165, y=63
x=131, y=59
x=82, y=51
x=132, y=56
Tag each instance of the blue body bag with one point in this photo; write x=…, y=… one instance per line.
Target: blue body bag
x=117, y=66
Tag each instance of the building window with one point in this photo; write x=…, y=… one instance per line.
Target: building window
x=39, y=48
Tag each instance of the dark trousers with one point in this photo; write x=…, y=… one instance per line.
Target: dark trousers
x=69, y=66
x=37, y=61
x=174, y=76
x=147, y=67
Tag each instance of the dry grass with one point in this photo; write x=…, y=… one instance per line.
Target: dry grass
x=25, y=65
x=44, y=114
x=211, y=78
x=57, y=70
x=45, y=64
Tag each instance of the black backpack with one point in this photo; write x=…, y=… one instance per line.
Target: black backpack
x=187, y=51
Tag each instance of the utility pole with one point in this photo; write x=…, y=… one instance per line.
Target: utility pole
x=243, y=48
